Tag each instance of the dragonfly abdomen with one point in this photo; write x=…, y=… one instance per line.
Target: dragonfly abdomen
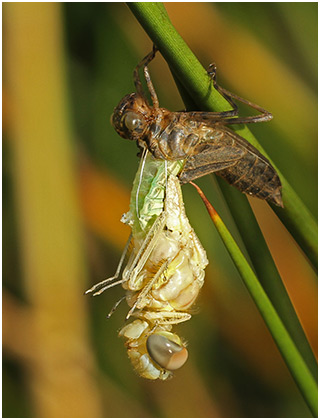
x=254, y=176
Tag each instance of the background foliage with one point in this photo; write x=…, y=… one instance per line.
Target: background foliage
x=66, y=182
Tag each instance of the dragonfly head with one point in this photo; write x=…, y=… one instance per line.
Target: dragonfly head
x=167, y=350
x=130, y=117
x=153, y=351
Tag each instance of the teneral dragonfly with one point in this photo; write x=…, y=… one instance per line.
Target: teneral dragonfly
x=164, y=271
x=202, y=139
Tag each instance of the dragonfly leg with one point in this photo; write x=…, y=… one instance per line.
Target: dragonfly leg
x=212, y=72
x=145, y=249
x=150, y=86
x=144, y=63
x=108, y=286
x=165, y=317
x=229, y=96
x=217, y=116
x=147, y=288
x=115, y=306
x=99, y=287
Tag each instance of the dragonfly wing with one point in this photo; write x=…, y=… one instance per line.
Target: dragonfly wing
x=238, y=162
x=211, y=159
x=216, y=152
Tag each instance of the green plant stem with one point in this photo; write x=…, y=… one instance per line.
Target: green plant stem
x=287, y=348
x=195, y=85
x=154, y=19
x=262, y=260
x=266, y=270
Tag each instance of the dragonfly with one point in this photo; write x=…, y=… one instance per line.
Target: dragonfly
x=164, y=271
x=165, y=261
x=203, y=140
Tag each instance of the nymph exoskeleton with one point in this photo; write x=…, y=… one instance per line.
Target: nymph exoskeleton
x=202, y=140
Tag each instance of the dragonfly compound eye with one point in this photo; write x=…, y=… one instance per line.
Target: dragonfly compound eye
x=133, y=121
x=165, y=352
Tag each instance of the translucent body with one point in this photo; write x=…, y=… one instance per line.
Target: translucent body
x=165, y=285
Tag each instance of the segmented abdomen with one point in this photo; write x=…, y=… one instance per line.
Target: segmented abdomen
x=252, y=175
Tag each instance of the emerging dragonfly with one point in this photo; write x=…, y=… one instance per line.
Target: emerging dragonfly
x=202, y=139
x=165, y=260
x=164, y=271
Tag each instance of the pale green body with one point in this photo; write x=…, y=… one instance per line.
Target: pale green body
x=152, y=184
x=165, y=269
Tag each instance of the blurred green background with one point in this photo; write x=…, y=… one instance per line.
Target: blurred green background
x=66, y=182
